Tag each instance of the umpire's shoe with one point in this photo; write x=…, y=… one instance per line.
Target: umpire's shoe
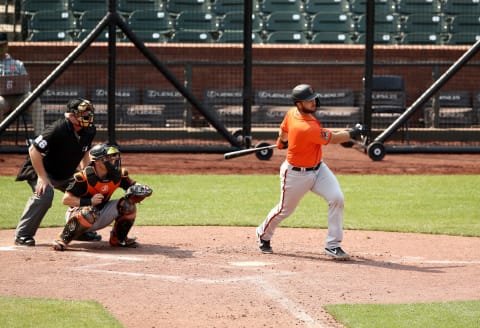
x=89, y=236
x=25, y=241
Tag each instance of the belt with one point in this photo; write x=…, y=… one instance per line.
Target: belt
x=304, y=169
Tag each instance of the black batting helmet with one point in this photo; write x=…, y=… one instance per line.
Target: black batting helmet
x=304, y=92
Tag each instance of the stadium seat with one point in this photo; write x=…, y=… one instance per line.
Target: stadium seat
x=330, y=22
x=90, y=18
x=103, y=37
x=359, y=7
x=270, y=6
x=221, y=7
x=385, y=23
x=452, y=109
x=233, y=21
x=196, y=21
x=326, y=6
x=286, y=21
x=175, y=7
x=422, y=38
x=463, y=38
x=128, y=6
x=237, y=37
x=185, y=36
x=465, y=24
x=50, y=36
x=52, y=20
x=379, y=38
x=461, y=7
x=150, y=20
x=407, y=7
x=331, y=38
x=29, y=7
x=150, y=36
x=81, y=6
x=416, y=23
x=286, y=37
x=87, y=22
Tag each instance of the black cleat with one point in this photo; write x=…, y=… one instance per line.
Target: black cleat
x=25, y=241
x=337, y=253
x=59, y=245
x=89, y=236
x=264, y=245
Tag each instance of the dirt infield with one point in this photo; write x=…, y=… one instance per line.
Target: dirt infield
x=216, y=277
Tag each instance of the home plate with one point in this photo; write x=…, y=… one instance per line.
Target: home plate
x=8, y=248
x=250, y=264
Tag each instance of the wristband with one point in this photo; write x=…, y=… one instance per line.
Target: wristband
x=84, y=201
x=282, y=144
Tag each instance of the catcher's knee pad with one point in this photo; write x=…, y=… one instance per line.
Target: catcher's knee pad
x=79, y=221
x=121, y=227
x=126, y=208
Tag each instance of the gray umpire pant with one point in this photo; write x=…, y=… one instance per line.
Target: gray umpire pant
x=37, y=207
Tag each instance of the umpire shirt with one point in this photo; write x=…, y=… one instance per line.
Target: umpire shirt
x=63, y=148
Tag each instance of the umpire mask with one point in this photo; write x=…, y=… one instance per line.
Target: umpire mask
x=83, y=111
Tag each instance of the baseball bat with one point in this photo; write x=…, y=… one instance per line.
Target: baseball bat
x=244, y=152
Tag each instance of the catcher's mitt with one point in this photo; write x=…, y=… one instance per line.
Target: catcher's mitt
x=138, y=192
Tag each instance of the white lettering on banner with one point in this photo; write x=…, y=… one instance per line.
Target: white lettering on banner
x=119, y=93
x=162, y=93
x=223, y=94
x=268, y=94
x=60, y=93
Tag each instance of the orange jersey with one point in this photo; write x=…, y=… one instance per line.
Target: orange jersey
x=305, y=138
x=86, y=184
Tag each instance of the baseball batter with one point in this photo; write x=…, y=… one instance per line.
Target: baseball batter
x=303, y=170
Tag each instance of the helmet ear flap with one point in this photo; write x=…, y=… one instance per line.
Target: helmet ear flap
x=317, y=102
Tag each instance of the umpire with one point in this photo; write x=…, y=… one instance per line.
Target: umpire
x=54, y=157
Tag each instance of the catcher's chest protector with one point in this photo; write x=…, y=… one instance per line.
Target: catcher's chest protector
x=95, y=185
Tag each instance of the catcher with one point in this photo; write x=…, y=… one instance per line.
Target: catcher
x=88, y=197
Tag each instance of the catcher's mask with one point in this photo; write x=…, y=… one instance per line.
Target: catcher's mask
x=83, y=111
x=304, y=92
x=109, y=155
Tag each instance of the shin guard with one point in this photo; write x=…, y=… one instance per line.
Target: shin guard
x=123, y=224
x=80, y=221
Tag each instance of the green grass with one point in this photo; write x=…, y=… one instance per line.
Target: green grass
x=418, y=315
x=420, y=204
x=30, y=312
